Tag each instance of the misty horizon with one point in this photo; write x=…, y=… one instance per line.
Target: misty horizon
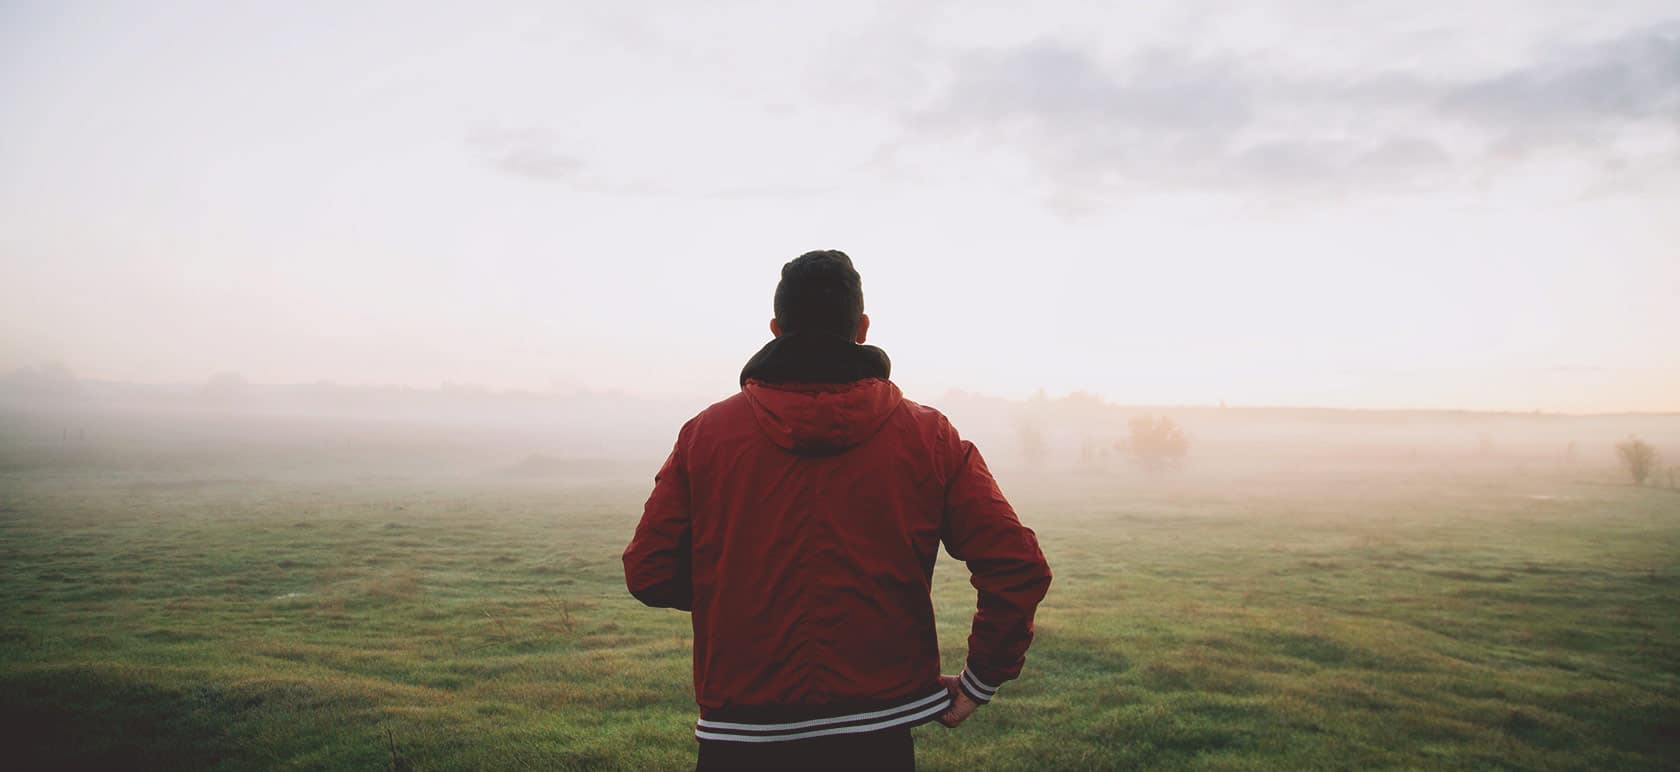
x=53, y=381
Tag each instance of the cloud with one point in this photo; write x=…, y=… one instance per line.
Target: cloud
x=1177, y=120
x=1580, y=95
x=1044, y=81
x=528, y=153
x=1158, y=117
x=1635, y=77
x=532, y=154
x=538, y=164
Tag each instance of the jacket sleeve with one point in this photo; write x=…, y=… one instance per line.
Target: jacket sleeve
x=657, y=562
x=1008, y=570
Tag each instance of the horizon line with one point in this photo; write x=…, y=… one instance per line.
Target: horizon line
x=950, y=391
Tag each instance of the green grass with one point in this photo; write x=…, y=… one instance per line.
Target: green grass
x=158, y=622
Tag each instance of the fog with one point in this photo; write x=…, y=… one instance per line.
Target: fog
x=228, y=430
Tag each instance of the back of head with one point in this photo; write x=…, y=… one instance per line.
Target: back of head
x=820, y=292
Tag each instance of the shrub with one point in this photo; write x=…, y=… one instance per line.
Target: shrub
x=1157, y=441
x=1637, y=457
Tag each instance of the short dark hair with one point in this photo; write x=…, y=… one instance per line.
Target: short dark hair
x=820, y=292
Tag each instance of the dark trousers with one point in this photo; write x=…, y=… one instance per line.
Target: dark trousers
x=889, y=750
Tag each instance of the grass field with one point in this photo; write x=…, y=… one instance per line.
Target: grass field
x=160, y=621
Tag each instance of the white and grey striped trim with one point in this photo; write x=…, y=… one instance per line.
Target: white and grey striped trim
x=976, y=689
x=909, y=713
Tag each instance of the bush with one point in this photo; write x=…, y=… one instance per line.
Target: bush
x=1638, y=458
x=1157, y=441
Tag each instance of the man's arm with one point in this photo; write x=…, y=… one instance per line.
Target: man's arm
x=1008, y=571
x=657, y=562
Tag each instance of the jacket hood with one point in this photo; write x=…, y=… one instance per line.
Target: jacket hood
x=817, y=395
x=822, y=419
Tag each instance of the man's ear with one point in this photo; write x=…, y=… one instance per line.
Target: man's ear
x=863, y=327
x=775, y=328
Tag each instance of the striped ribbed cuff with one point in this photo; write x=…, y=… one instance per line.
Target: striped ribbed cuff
x=976, y=689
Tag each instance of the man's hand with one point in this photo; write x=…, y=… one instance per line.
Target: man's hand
x=961, y=706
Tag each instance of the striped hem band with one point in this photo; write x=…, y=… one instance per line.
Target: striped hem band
x=912, y=712
x=976, y=689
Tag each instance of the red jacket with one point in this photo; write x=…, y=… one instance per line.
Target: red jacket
x=799, y=522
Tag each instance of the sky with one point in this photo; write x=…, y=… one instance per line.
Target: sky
x=1472, y=204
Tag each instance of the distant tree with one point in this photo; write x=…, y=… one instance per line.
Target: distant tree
x=1637, y=457
x=1033, y=447
x=1157, y=441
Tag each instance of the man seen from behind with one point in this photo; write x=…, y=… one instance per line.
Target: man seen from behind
x=799, y=520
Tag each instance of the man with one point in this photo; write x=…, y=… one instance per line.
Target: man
x=799, y=520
